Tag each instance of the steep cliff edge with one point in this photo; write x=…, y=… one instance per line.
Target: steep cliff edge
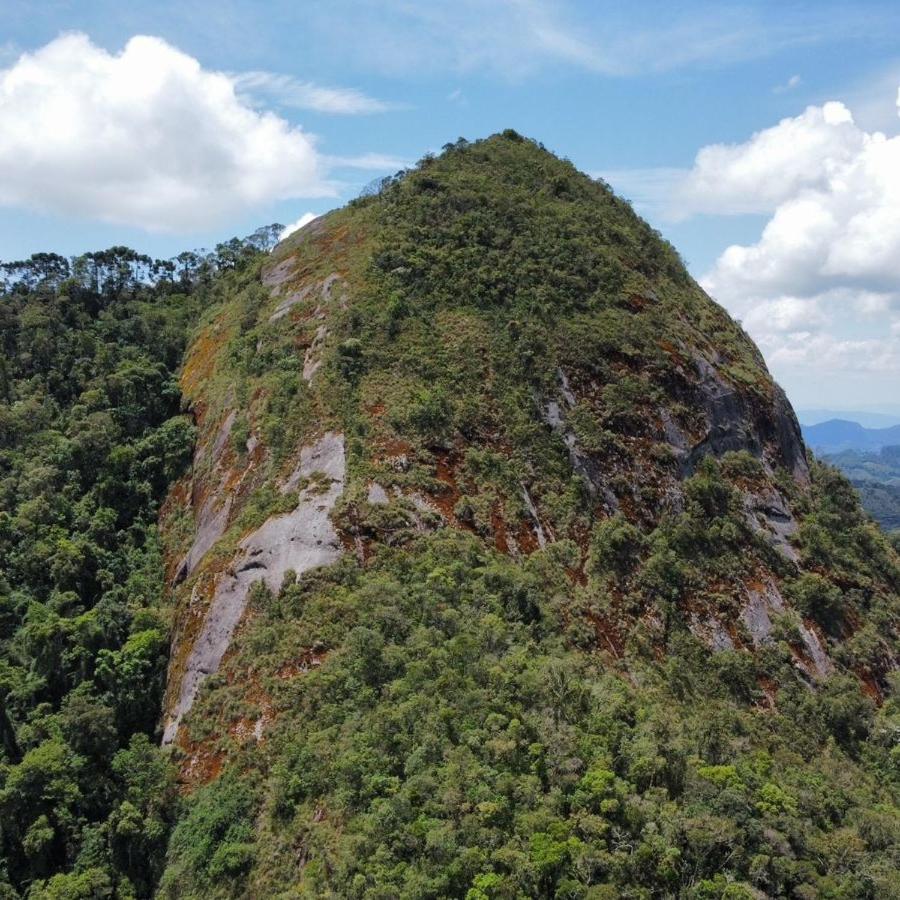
x=482, y=424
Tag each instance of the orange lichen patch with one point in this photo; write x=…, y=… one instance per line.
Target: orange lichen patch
x=671, y=351
x=302, y=273
x=802, y=659
x=245, y=730
x=770, y=690
x=204, y=759
x=178, y=495
x=252, y=728
x=816, y=629
x=190, y=623
x=391, y=448
x=870, y=686
x=526, y=538
x=628, y=507
x=851, y=622
x=730, y=627
x=232, y=480
x=581, y=534
x=637, y=302
x=446, y=465
x=201, y=358
x=608, y=637
x=353, y=543
x=334, y=238
x=577, y=575
x=176, y=500
x=202, y=763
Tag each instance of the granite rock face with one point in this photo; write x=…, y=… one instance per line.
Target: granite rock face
x=212, y=516
x=732, y=424
x=765, y=602
x=301, y=540
x=770, y=516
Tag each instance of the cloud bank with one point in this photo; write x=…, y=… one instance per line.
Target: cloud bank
x=821, y=286
x=145, y=137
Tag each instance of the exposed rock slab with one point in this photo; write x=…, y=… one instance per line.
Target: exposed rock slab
x=582, y=462
x=275, y=282
x=732, y=425
x=712, y=632
x=212, y=520
x=727, y=417
x=325, y=456
x=222, y=435
x=211, y=525
x=278, y=274
x=302, y=540
x=532, y=511
x=313, y=357
x=769, y=515
x=757, y=614
x=291, y=300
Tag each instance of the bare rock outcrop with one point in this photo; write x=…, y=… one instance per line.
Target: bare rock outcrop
x=212, y=517
x=301, y=540
x=765, y=602
x=770, y=516
x=733, y=425
x=554, y=415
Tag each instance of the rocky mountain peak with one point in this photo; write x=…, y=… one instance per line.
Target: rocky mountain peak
x=492, y=357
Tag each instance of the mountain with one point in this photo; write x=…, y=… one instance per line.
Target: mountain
x=877, y=478
x=498, y=569
x=864, y=465
x=866, y=418
x=837, y=435
x=881, y=501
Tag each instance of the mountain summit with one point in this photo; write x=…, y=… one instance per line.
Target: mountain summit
x=501, y=558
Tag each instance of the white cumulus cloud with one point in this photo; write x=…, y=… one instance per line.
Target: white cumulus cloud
x=821, y=286
x=789, y=85
x=774, y=165
x=143, y=137
x=375, y=162
x=305, y=219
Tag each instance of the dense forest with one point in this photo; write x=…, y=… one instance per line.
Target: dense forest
x=598, y=627
x=91, y=435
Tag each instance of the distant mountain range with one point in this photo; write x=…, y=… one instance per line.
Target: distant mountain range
x=837, y=435
x=876, y=475
x=883, y=418
x=869, y=457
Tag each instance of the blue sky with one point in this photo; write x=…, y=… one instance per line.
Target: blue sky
x=266, y=111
